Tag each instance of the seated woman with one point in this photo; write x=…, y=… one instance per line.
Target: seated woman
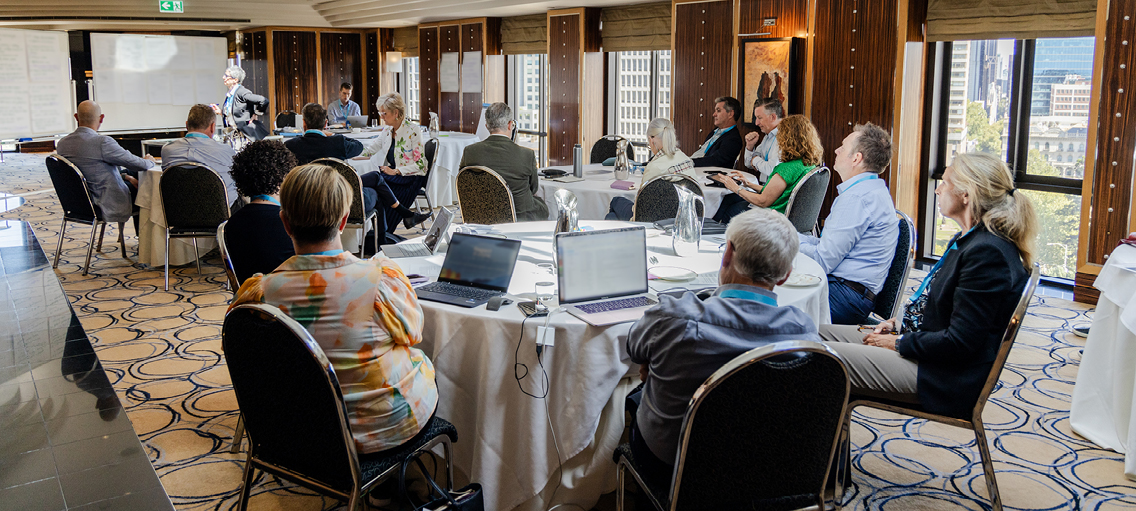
x=953, y=325
x=388, y=384
x=254, y=236
x=666, y=159
x=801, y=151
x=401, y=158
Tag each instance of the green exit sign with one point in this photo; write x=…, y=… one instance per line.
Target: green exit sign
x=170, y=6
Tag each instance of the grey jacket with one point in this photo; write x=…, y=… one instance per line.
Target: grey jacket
x=206, y=151
x=517, y=165
x=99, y=158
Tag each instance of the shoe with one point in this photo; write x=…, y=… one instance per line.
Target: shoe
x=1081, y=330
x=416, y=219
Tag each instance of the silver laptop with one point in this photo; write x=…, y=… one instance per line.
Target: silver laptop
x=358, y=121
x=428, y=244
x=603, y=274
x=476, y=269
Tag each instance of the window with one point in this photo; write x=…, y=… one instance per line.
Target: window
x=1026, y=102
x=643, y=93
x=410, y=90
x=529, y=99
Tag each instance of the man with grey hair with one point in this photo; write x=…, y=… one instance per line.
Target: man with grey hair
x=198, y=146
x=241, y=106
x=861, y=231
x=516, y=164
x=681, y=341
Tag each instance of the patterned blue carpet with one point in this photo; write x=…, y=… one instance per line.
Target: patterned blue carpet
x=162, y=352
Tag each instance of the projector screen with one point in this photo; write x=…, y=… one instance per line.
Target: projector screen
x=150, y=81
x=35, y=93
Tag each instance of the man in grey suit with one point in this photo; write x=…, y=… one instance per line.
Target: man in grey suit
x=99, y=158
x=516, y=164
x=198, y=146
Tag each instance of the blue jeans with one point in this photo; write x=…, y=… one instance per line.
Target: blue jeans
x=620, y=209
x=848, y=306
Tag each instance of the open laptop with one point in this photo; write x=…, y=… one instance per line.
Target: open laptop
x=476, y=269
x=358, y=121
x=428, y=244
x=603, y=274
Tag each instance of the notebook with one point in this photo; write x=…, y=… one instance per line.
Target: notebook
x=428, y=244
x=476, y=269
x=603, y=274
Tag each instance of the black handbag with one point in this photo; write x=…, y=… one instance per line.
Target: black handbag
x=467, y=498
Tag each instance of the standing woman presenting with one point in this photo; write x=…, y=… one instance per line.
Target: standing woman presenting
x=241, y=106
x=398, y=154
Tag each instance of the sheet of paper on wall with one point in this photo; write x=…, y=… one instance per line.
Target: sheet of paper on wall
x=49, y=107
x=130, y=53
x=204, y=53
x=13, y=57
x=182, y=89
x=209, y=88
x=182, y=58
x=47, y=57
x=107, y=89
x=102, y=51
x=449, y=74
x=471, y=71
x=158, y=88
x=14, y=109
x=133, y=86
x=159, y=52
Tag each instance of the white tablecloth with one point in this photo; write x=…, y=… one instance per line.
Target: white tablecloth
x=441, y=187
x=594, y=193
x=152, y=227
x=507, y=444
x=1104, y=398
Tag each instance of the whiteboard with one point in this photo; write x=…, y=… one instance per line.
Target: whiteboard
x=35, y=88
x=150, y=81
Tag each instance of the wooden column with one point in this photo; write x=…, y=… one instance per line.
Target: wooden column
x=428, y=58
x=449, y=103
x=374, y=70
x=575, y=76
x=255, y=60
x=703, y=60
x=294, y=56
x=472, y=39
x=341, y=60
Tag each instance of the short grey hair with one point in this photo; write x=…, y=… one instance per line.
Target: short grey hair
x=497, y=116
x=765, y=244
x=236, y=72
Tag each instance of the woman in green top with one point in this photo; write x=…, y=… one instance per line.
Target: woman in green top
x=800, y=152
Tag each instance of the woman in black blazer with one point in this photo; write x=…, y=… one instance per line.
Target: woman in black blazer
x=941, y=352
x=241, y=106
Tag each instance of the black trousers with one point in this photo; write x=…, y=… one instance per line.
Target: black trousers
x=653, y=470
x=732, y=205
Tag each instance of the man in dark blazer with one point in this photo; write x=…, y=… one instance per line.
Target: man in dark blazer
x=241, y=106
x=724, y=144
x=516, y=164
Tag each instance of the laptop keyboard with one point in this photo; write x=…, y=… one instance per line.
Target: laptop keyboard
x=414, y=250
x=447, y=288
x=611, y=305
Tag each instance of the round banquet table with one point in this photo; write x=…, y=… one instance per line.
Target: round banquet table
x=152, y=227
x=451, y=145
x=594, y=193
x=514, y=443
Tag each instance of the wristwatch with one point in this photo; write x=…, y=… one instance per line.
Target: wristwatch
x=897, y=339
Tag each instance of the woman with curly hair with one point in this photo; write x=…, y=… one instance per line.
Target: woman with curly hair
x=255, y=237
x=801, y=152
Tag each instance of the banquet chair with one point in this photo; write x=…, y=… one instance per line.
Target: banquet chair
x=806, y=200
x=974, y=423
x=358, y=218
x=888, y=299
x=606, y=147
x=791, y=395
x=484, y=197
x=294, y=412
x=234, y=284
x=285, y=119
x=432, y=150
x=194, y=202
x=657, y=199
x=78, y=207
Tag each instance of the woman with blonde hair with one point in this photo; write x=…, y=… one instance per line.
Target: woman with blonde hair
x=666, y=158
x=801, y=152
x=940, y=352
x=363, y=313
x=398, y=153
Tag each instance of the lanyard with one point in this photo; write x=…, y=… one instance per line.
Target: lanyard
x=267, y=198
x=867, y=176
x=748, y=295
x=315, y=132
x=196, y=135
x=938, y=264
x=326, y=253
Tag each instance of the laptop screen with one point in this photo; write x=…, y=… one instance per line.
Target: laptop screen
x=480, y=261
x=601, y=264
x=438, y=228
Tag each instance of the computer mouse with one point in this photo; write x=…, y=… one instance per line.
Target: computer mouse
x=496, y=302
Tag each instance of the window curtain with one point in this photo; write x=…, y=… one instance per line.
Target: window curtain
x=954, y=20
x=643, y=27
x=522, y=35
x=405, y=40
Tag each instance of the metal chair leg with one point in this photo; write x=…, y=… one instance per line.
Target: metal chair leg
x=122, y=239
x=90, y=248
x=619, y=487
x=167, y=259
x=238, y=435
x=242, y=502
x=102, y=232
x=59, y=244
x=196, y=256
x=375, y=226
x=987, y=465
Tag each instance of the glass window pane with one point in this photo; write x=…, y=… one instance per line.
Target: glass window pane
x=1059, y=222
x=412, y=92
x=633, y=108
x=1059, y=106
x=978, y=115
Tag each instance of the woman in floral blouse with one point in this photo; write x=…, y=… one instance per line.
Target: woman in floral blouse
x=363, y=313
x=398, y=153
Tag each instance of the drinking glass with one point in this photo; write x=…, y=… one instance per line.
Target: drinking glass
x=544, y=290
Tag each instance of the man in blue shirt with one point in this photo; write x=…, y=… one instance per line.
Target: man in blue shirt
x=861, y=231
x=198, y=146
x=337, y=111
x=681, y=341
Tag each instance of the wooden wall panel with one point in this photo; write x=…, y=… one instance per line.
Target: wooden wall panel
x=372, y=68
x=449, y=40
x=254, y=61
x=471, y=40
x=792, y=18
x=427, y=73
x=702, y=42
x=565, y=59
x=294, y=58
x=341, y=60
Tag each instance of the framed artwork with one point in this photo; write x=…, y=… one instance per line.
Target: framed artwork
x=769, y=70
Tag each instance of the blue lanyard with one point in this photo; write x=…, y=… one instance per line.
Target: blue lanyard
x=748, y=295
x=196, y=135
x=867, y=176
x=938, y=264
x=267, y=198
x=325, y=253
x=315, y=132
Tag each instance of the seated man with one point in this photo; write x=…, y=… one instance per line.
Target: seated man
x=255, y=237
x=516, y=164
x=337, y=111
x=681, y=341
x=763, y=157
x=99, y=158
x=860, y=233
x=198, y=146
x=722, y=145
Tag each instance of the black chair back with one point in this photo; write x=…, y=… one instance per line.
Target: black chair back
x=286, y=119
x=194, y=198
x=606, y=147
x=807, y=197
x=289, y=397
x=658, y=199
x=431, y=150
x=759, y=434
x=484, y=197
x=357, y=216
x=887, y=300
x=227, y=262
x=71, y=188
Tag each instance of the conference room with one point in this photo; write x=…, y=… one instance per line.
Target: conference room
x=141, y=367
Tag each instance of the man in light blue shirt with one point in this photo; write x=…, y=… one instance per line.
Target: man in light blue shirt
x=337, y=111
x=198, y=146
x=861, y=231
x=763, y=157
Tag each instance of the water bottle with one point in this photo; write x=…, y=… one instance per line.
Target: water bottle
x=578, y=161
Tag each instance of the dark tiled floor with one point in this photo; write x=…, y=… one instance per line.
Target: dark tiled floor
x=66, y=442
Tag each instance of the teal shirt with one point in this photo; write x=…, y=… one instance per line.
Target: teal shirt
x=791, y=172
